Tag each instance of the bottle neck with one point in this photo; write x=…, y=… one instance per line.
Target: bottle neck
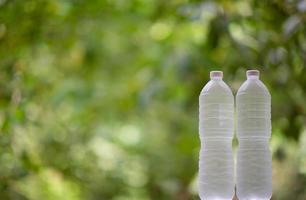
x=252, y=74
x=253, y=77
x=216, y=79
x=216, y=75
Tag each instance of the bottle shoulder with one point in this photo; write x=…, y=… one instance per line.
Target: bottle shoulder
x=216, y=87
x=254, y=87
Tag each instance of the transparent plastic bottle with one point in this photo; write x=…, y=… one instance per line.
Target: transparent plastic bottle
x=254, y=165
x=216, y=126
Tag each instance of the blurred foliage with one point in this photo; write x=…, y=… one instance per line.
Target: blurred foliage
x=99, y=98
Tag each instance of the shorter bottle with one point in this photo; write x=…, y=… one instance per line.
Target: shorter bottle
x=216, y=127
x=254, y=163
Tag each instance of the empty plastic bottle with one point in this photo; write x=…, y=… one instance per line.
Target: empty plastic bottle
x=216, y=126
x=254, y=170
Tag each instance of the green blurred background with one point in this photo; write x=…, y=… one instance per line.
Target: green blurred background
x=99, y=98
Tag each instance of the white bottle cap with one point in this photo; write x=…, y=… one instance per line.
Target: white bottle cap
x=252, y=74
x=216, y=75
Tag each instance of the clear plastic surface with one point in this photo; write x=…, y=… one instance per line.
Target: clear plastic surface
x=216, y=126
x=254, y=165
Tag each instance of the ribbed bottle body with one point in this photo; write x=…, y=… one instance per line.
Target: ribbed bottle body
x=216, y=126
x=254, y=164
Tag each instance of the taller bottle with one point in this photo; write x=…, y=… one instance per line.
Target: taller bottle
x=254, y=168
x=216, y=126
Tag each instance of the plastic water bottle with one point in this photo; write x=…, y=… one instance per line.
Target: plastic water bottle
x=254, y=168
x=216, y=126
